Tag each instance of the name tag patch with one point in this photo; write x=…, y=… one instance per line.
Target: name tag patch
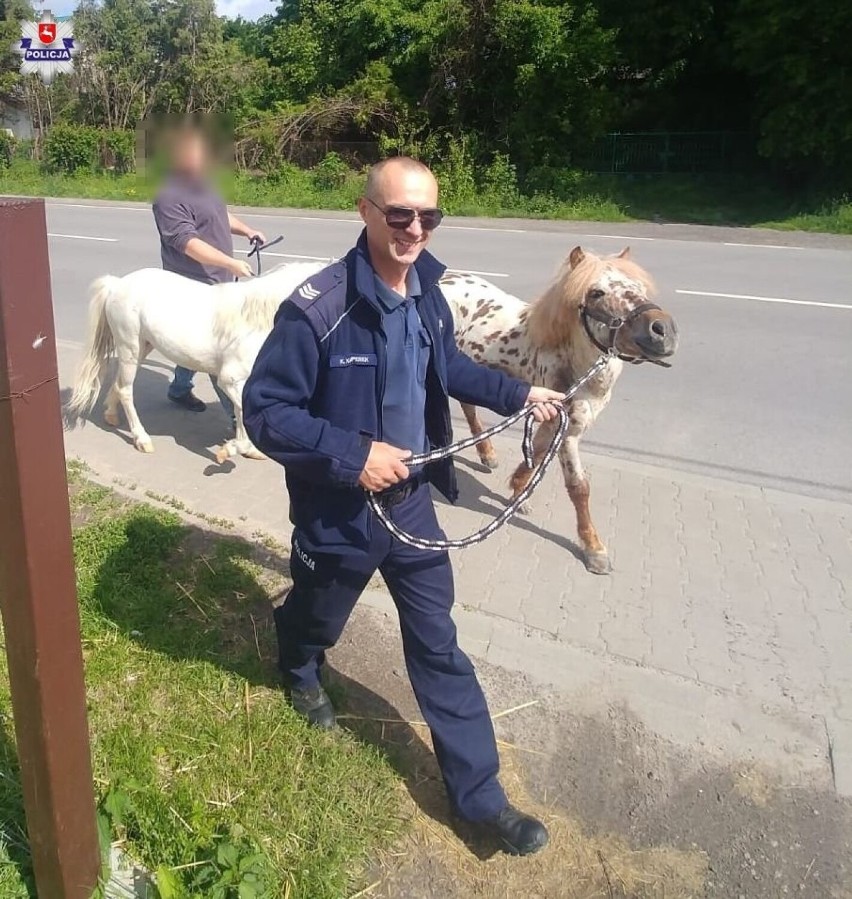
x=353, y=359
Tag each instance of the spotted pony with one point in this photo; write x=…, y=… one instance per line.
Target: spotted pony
x=593, y=304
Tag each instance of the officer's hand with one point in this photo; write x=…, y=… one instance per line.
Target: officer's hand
x=241, y=268
x=546, y=402
x=384, y=467
x=257, y=234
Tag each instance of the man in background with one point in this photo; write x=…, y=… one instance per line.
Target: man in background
x=196, y=231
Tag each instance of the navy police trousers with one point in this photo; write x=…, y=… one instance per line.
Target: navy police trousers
x=312, y=617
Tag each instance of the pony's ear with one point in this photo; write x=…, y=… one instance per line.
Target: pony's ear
x=625, y=253
x=576, y=256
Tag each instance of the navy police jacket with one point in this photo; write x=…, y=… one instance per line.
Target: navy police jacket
x=313, y=400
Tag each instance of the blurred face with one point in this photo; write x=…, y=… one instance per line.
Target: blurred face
x=191, y=156
x=397, y=244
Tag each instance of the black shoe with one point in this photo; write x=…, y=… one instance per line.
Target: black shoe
x=314, y=705
x=518, y=833
x=189, y=401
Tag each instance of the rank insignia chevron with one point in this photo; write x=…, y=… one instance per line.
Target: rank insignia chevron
x=308, y=291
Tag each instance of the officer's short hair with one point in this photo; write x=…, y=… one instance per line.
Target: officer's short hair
x=408, y=163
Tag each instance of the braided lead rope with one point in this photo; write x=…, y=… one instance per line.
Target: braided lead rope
x=374, y=499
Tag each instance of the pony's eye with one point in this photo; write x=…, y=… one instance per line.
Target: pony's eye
x=595, y=294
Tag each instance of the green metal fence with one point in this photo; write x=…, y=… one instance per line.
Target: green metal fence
x=660, y=152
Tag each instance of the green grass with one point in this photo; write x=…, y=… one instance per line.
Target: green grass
x=835, y=217
x=712, y=200
x=199, y=763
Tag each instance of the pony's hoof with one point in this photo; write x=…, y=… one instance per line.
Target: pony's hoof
x=598, y=563
x=525, y=509
x=111, y=418
x=490, y=463
x=144, y=446
x=255, y=454
x=222, y=454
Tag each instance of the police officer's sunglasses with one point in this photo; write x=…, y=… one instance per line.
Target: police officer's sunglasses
x=401, y=217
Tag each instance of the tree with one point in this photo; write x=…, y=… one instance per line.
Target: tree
x=12, y=13
x=797, y=59
x=119, y=67
x=201, y=72
x=520, y=75
x=535, y=80
x=166, y=56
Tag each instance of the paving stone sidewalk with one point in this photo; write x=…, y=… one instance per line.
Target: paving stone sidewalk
x=736, y=588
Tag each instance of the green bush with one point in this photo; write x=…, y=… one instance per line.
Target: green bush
x=499, y=182
x=542, y=205
x=69, y=148
x=456, y=175
x=287, y=174
x=260, y=149
x=7, y=149
x=118, y=151
x=557, y=181
x=331, y=173
x=25, y=148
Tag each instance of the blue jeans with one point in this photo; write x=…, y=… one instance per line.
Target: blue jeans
x=182, y=385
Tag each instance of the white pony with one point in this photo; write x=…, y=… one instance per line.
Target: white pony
x=216, y=329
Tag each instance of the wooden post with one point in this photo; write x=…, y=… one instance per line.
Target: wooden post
x=37, y=586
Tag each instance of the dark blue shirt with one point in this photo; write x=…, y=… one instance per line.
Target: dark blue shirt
x=408, y=348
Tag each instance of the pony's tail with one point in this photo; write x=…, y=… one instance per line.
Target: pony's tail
x=98, y=350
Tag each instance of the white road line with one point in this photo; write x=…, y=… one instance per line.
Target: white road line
x=291, y=256
x=356, y=221
x=457, y=271
x=614, y=236
x=84, y=237
x=763, y=246
x=302, y=218
x=360, y=224
x=147, y=209
x=94, y=206
x=295, y=218
x=745, y=296
x=263, y=215
x=472, y=228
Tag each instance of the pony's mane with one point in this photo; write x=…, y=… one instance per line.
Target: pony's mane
x=251, y=305
x=553, y=316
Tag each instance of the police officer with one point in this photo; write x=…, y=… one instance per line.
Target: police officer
x=354, y=378
x=195, y=230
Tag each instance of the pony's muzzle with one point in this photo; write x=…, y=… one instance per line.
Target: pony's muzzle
x=657, y=336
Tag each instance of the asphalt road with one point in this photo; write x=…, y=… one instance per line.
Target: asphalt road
x=760, y=389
